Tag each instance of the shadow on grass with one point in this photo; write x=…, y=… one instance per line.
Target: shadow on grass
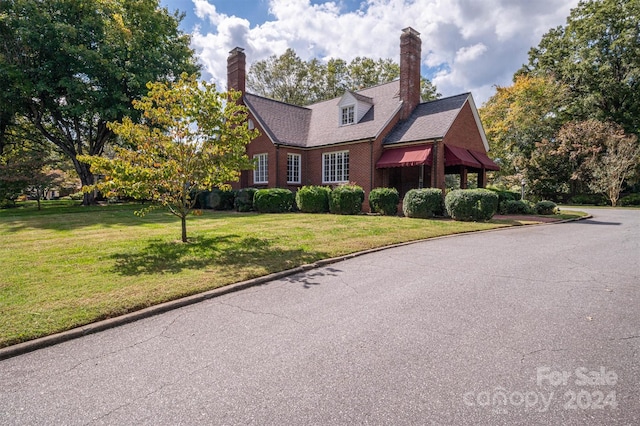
x=164, y=257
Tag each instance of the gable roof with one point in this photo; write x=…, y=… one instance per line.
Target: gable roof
x=429, y=121
x=432, y=120
x=318, y=124
x=284, y=123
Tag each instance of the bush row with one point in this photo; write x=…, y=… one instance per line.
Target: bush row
x=459, y=204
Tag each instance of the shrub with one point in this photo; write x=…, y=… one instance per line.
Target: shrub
x=313, y=199
x=346, y=199
x=471, y=204
x=504, y=195
x=77, y=196
x=384, y=201
x=215, y=199
x=546, y=207
x=273, y=200
x=515, y=207
x=422, y=203
x=595, y=199
x=244, y=199
x=630, y=200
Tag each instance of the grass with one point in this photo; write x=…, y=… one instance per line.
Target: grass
x=67, y=266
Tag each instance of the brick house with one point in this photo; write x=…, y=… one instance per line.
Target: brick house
x=376, y=137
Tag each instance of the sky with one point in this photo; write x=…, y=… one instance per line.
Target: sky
x=467, y=45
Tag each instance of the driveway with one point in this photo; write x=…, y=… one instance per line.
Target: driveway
x=528, y=325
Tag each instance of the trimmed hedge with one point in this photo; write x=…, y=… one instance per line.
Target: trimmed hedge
x=422, y=203
x=244, y=199
x=471, y=204
x=515, y=207
x=504, y=195
x=346, y=199
x=384, y=201
x=546, y=207
x=273, y=200
x=313, y=199
x=216, y=199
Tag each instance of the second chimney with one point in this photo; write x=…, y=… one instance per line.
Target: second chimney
x=236, y=70
x=410, y=50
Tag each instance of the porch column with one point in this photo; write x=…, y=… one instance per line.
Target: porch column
x=482, y=178
x=463, y=177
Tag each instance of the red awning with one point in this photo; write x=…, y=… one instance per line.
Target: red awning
x=405, y=157
x=486, y=161
x=455, y=156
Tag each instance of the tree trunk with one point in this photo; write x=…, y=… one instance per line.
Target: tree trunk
x=183, y=219
x=86, y=178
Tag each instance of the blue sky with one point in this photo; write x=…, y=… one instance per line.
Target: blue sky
x=467, y=45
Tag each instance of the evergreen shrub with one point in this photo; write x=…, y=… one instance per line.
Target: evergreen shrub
x=422, y=203
x=471, y=204
x=346, y=199
x=244, y=199
x=384, y=201
x=273, y=200
x=313, y=199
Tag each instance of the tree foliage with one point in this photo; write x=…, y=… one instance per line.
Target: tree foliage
x=517, y=117
x=597, y=56
x=70, y=67
x=290, y=79
x=192, y=139
x=584, y=155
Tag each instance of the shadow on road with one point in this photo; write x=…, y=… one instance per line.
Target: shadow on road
x=310, y=279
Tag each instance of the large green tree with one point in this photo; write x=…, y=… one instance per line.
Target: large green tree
x=597, y=55
x=290, y=79
x=70, y=67
x=192, y=138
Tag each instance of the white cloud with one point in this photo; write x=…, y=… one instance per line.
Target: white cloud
x=470, y=45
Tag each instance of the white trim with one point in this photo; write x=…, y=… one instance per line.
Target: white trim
x=257, y=176
x=325, y=156
x=299, y=167
x=476, y=116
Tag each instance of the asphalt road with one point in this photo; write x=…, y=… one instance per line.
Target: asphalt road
x=530, y=325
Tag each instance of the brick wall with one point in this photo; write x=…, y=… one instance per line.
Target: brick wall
x=464, y=132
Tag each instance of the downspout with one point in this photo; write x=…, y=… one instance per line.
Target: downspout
x=277, y=166
x=373, y=169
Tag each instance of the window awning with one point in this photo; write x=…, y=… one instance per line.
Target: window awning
x=455, y=156
x=486, y=161
x=405, y=157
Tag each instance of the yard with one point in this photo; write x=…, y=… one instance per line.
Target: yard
x=67, y=266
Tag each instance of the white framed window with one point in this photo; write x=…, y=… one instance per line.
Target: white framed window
x=261, y=172
x=335, y=167
x=250, y=124
x=347, y=115
x=294, y=164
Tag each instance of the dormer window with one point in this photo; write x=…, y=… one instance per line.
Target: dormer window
x=352, y=108
x=348, y=115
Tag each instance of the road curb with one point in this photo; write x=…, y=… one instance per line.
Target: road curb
x=54, y=339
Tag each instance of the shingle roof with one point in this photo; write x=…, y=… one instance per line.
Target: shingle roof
x=284, y=123
x=430, y=120
x=318, y=124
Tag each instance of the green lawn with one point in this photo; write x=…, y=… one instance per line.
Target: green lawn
x=67, y=266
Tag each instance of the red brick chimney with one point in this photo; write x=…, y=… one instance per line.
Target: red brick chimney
x=410, y=50
x=236, y=70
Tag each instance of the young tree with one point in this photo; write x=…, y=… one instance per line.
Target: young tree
x=192, y=139
x=70, y=67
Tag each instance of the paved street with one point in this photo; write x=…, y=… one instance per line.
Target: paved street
x=533, y=325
